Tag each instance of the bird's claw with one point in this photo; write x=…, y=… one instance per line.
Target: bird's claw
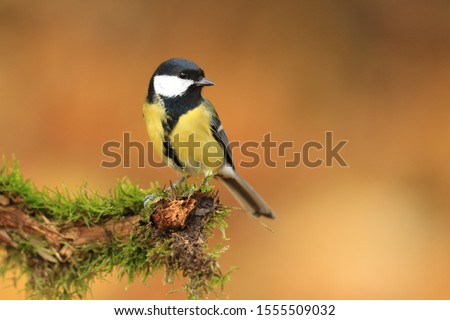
x=149, y=198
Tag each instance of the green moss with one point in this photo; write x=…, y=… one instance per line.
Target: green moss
x=148, y=250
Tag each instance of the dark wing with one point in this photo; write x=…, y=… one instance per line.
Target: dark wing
x=219, y=133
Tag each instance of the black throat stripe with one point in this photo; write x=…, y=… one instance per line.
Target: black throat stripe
x=169, y=152
x=177, y=106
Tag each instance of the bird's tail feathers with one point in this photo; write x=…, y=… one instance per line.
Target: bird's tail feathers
x=249, y=199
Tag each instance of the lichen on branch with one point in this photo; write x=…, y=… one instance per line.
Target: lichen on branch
x=61, y=241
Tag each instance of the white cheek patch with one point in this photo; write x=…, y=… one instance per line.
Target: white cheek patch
x=171, y=86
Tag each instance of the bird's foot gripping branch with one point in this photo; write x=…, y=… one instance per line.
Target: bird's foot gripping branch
x=62, y=242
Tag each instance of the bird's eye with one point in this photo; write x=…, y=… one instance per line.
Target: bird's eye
x=183, y=75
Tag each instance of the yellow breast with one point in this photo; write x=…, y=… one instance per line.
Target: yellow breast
x=194, y=143
x=154, y=114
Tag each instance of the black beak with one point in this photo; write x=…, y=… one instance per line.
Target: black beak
x=204, y=82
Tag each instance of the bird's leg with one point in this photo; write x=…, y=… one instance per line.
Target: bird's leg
x=207, y=178
x=183, y=177
x=150, y=197
x=180, y=181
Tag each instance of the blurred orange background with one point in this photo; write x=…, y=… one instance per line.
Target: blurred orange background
x=74, y=75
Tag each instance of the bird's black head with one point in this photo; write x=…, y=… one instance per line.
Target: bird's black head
x=177, y=77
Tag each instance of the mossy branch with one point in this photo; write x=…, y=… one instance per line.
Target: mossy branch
x=62, y=241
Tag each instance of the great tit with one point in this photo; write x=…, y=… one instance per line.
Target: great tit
x=187, y=133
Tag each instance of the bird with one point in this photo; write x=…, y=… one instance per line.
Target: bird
x=187, y=134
